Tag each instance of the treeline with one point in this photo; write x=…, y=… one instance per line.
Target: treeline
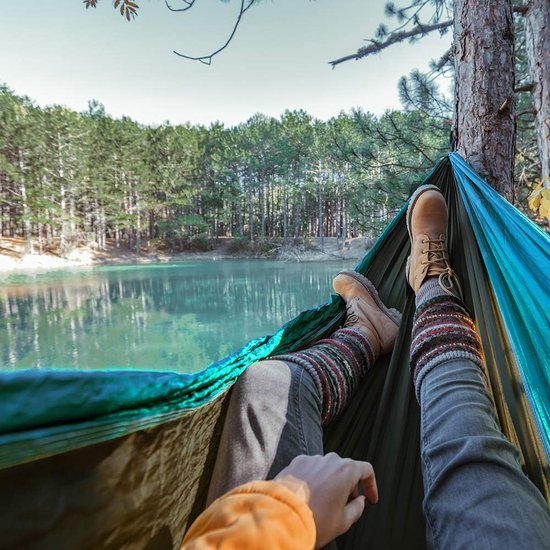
x=69, y=178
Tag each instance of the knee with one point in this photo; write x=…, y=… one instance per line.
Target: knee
x=264, y=376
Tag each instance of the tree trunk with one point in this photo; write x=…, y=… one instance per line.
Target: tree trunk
x=40, y=237
x=483, y=126
x=344, y=220
x=320, y=217
x=268, y=208
x=538, y=55
x=49, y=229
x=137, y=207
x=298, y=218
x=285, y=215
x=240, y=220
x=102, y=229
x=63, y=246
x=27, y=228
x=262, y=210
x=72, y=224
x=64, y=242
x=250, y=217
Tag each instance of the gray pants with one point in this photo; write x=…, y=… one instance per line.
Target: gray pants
x=476, y=495
x=274, y=415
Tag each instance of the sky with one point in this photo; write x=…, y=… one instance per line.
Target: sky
x=57, y=52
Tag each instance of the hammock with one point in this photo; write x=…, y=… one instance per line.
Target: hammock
x=117, y=459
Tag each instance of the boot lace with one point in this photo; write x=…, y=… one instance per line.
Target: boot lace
x=438, y=257
x=351, y=317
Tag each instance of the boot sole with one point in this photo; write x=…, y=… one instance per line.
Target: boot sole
x=390, y=312
x=412, y=202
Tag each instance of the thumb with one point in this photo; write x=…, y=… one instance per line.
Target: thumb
x=353, y=510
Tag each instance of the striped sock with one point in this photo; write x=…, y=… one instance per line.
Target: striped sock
x=442, y=330
x=430, y=289
x=336, y=365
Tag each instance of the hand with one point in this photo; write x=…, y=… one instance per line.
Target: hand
x=329, y=486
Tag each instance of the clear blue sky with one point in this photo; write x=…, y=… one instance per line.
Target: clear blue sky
x=56, y=51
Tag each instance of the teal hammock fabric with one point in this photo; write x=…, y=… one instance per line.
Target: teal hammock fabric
x=516, y=254
x=48, y=412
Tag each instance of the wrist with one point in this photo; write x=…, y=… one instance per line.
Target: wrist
x=296, y=486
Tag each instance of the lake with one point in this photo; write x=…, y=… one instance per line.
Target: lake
x=180, y=316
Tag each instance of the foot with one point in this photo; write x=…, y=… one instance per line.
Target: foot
x=427, y=224
x=366, y=312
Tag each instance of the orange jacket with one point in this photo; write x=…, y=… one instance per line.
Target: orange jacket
x=259, y=514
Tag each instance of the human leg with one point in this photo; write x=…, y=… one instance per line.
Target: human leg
x=476, y=494
x=278, y=407
x=274, y=415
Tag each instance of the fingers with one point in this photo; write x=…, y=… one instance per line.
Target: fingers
x=371, y=489
x=353, y=511
x=363, y=471
x=329, y=485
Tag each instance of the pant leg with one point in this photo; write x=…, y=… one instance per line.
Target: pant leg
x=476, y=495
x=274, y=415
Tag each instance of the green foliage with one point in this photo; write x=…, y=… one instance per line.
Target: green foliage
x=198, y=243
x=258, y=249
x=88, y=177
x=238, y=246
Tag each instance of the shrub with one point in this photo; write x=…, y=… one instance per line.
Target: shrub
x=239, y=246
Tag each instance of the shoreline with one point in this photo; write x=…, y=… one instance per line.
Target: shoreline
x=13, y=260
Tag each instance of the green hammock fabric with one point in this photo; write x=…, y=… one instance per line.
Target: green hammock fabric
x=496, y=252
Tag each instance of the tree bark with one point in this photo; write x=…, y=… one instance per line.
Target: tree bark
x=262, y=210
x=483, y=126
x=137, y=207
x=285, y=214
x=538, y=55
x=320, y=217
x=250, y=217
x=64, y=242
x=240, y=219
x=63, y=246
x=27, y=228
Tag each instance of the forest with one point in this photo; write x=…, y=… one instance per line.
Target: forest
x=86, y=177
x=69, y=179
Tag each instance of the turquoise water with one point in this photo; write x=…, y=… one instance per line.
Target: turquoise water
x=179, y=317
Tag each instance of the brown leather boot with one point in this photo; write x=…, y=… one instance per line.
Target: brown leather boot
x=427, y=224
x=366, y=312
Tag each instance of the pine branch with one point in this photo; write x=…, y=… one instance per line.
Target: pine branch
x=207, y=59
x=188, y=2
x=377, y=46
x=444, y=59
x=525, y=87
x=520, y=9
x=526, y=112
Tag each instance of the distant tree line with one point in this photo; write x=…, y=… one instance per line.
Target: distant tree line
x=69, y=178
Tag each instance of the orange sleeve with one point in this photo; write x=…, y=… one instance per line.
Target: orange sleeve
x=260, y=514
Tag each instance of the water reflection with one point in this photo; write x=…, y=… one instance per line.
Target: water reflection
x=167, y=317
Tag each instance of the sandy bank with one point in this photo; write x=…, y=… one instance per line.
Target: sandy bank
x=14, y=259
